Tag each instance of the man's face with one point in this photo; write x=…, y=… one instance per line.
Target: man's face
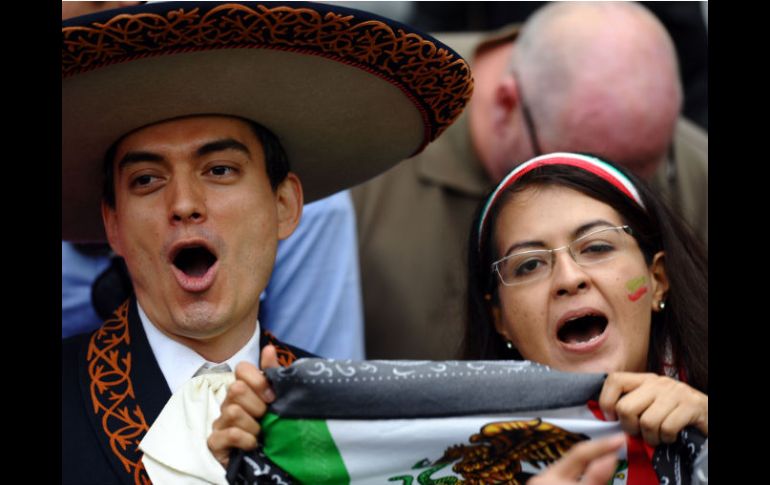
x=197, y=223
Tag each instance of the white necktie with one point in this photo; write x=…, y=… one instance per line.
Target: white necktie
x=175, y=449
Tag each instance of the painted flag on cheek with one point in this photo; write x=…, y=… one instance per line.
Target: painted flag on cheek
x=419, y=423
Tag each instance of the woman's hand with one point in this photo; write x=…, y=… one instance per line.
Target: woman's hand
x=588, y=462
x=658, y=406
x=247, y=398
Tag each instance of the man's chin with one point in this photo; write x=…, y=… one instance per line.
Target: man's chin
x=198, y=319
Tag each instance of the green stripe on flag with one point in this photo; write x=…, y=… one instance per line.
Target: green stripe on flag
x=305, y=449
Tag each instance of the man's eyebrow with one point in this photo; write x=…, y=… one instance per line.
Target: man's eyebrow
x=210, y=147
x=136, y=157
x=222, y=145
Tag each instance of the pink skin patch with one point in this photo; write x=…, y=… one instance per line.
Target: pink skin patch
x=636, y=287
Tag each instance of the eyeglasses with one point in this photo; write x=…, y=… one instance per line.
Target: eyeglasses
x=530, y=266
x=528, y=120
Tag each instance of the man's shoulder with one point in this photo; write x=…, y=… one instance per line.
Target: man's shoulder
x=396, y=186
x=73, y=358
x=447, y=162
x=71, y=346
x=690, y=184
x=83, y=455
x=405, y=170
x=691, y=149
x=74, y=354
x=691, y=142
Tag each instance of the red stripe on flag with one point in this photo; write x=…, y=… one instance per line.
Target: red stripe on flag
x=639, y=454
x=593, y=405
x=640, y=470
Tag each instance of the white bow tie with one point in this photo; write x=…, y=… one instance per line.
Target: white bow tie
x=175, y=449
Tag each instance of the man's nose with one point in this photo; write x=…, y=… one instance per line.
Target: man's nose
x=187, y=201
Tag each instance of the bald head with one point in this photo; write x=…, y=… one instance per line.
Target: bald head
x=601, y=78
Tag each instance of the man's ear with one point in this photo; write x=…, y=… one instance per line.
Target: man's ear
x=506, y=100
x=289, y=200
x=110, y=221
x=659, y=280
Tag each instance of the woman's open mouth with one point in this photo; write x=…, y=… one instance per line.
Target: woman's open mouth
x=583, y=332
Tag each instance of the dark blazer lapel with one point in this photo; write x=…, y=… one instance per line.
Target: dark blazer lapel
x=123, y=385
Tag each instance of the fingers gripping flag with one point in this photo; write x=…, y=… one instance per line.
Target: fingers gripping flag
x=420, y=423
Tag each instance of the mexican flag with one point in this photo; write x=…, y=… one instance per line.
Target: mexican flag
x=404, y=422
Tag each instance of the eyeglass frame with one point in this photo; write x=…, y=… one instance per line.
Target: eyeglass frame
x=495, y=266
x=528, y=120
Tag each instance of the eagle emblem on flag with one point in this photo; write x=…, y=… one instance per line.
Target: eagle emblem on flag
x=499, y=449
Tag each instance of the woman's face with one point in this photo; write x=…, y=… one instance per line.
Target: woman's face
x=587, y=318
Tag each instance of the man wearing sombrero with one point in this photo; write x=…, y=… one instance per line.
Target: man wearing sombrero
x=211, y=124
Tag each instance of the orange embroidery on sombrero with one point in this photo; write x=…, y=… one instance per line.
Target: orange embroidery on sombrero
x=440, y=79
x=636, y=288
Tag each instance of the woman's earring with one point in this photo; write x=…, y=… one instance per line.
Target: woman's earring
x=661, y=305
x=509, y=344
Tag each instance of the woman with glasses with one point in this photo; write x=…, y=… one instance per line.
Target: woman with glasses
x=576, y=265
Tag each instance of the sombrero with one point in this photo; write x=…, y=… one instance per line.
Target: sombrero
x=348, y=93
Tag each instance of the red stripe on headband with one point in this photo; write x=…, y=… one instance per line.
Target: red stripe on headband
x=583, y=162
x=575, y=162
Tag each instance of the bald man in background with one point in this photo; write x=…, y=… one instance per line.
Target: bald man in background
x=584, y=77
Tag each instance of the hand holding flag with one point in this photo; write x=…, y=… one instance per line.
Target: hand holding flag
x=657, y=406
x=246, y=403
x=588, y=463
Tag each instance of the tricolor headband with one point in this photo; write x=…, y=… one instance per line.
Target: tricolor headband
x=590, y=164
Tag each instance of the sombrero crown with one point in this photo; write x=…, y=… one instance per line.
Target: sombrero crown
x=348, y=93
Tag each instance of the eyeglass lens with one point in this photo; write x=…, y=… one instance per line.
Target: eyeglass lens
x=528, y=266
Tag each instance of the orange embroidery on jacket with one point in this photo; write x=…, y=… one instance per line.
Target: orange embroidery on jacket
x=285, y=356
x=112, y=392
x=441, y=79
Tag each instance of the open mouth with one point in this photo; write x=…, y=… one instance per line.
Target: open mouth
x=194, y=261
x=582, y=329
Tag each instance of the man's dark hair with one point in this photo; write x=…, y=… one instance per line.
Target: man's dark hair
x=276, y=161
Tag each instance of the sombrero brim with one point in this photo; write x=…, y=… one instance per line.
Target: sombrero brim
x=348, y=93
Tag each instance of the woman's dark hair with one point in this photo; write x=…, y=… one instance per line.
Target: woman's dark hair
x=683, y=322
x=276, y=161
